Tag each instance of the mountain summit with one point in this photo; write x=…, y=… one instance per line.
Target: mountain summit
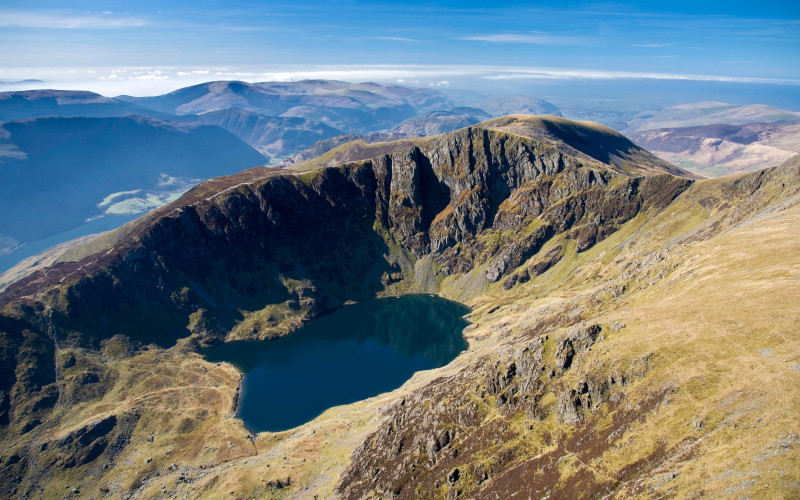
x=588, y=142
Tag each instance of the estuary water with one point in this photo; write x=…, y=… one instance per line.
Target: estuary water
x=351, y=353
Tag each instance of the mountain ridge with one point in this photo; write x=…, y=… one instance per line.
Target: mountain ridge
x=17, y=105
x=455, y=215
x=569, y=137
x=586, y=363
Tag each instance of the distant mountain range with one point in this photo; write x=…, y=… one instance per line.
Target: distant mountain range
x=718, y=149
x=709, y=138
x=518, y=105
x=710, y=113
x=321, y=147
x=440, y=122
x=281, y=119
x=114, y=155
x=271, y=135
x=17, y=82
x=348, y=107
x=65, y=103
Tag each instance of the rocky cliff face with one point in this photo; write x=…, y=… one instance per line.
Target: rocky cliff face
x=460, y=202
x=488, y=216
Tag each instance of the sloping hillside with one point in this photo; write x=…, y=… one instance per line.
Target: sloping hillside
x=633, y=335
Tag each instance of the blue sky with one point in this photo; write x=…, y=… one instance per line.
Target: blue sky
x=145, y=46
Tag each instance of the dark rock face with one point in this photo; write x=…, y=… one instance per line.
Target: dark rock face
x=475, y=189
x=86, y=444
x=547, y=261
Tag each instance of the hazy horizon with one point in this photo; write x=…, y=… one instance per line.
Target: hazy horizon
x=729, y=51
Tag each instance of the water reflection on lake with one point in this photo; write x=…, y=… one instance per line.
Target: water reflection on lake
x=349, y=354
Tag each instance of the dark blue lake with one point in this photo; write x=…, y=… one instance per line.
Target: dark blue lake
x=351, y=353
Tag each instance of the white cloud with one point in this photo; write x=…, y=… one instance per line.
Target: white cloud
x=532, y=38
x=395, y=38
x=551, y=74
x=195, y=72
x=54, y=19
x=146, y=80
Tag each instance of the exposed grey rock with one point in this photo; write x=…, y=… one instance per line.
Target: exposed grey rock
x=547, y=261
x=578, y=339
x=518, y=252
x=567, y=409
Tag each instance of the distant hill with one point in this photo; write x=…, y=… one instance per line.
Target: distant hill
x=718, y=149
x=269, y=134
x=518, y=105
x=56, y=171
x=349, y=107
x=39, y=103
x=709, y=113
x=17, y=82
x=440, y=122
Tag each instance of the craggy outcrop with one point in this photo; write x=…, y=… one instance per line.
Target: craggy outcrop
x=454, y=437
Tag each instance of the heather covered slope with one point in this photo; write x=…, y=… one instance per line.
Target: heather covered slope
x=663, y=363
x=625, y=331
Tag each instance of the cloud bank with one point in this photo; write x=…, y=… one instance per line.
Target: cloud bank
x=152, y=80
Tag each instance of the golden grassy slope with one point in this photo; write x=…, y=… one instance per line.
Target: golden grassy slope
x=717, y=321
